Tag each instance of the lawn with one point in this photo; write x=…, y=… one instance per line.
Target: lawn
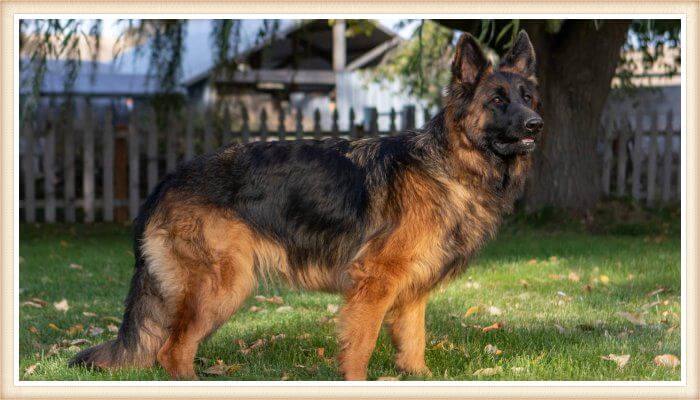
x=544, y=301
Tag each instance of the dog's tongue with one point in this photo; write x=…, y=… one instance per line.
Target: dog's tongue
x=527, y=140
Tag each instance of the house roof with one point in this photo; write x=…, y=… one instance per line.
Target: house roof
x=103, y=81
x=308, y=45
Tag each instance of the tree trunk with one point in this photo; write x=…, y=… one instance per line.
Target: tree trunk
x=575, y=68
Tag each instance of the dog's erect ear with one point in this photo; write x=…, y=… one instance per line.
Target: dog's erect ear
x=521, y=58
x=469, y=62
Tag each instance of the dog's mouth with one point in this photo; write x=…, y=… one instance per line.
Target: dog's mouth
x=521, y=145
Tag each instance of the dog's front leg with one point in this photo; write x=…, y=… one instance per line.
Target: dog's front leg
x=361, y=319
x=407, y=326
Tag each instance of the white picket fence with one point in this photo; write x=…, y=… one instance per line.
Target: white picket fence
x=641, y=158
x=83, y=167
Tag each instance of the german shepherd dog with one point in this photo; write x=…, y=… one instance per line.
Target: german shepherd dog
x=380, y=220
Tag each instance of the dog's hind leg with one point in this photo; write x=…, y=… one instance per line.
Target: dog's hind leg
x=407, y=327
x=209, y=301
x=218, y=277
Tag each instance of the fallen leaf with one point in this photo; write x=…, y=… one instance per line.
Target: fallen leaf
x=112, y=328
x=75, y=329
x=79, y=342
x=257, y=343
x=524, y=283
x=277, y=337
x=655, y=292
x=320, y=351
x=304, y=336
x=574, y=277
x=667, y=360
x=553, y=259
x=284, y=309
x=73, y=349
x=562, y=294
x=332, y=308
x=221, y=368
x=471, y=310
x=30, y=369
x=472, y=285
x=604, y=279
x=517, y=370
x=30, y=303
x=241, y=343
x=53, y=326
x=33, y=329
x=493, y=310
x=492, y=327
x=587, y=288
x=95, y=331
x=75, y=266
x=388, y=378
x=89, y=314
x=493, y=350
x=255, y=309
x=488, y=371
x=634, y=318
x=63, y=243
x=620, y=360
x=556, y=277
x=532, y=261
x=275, y=300
x=62, y=305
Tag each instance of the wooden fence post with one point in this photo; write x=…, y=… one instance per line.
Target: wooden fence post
x=299, y=125
x=317, y=124
x=29, y=182
x=281, y=129
x=409, y=117
x=69, y=162
x=108, y=167
x=668, y=158
x=637, y=157
x=171, y=135
x=352, y=128
x=263, y=125
x=49, y=168
x=651, y=162
x=245, y=131
x=151, y=148
x=334, y=122
x=392, y=122
x=622, y=156
x=89, y=162
x=371, y=116
x=607, y=156
x=189, y=133
x=209, y=117
x=134, y=155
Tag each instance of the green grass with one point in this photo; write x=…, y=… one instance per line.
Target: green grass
x=636, y=261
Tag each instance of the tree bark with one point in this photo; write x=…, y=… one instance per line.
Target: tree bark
x=574, y=67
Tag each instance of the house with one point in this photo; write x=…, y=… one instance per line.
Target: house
x=308, y=65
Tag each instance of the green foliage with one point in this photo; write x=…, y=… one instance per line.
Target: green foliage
x=423, y=69
x=524, y=273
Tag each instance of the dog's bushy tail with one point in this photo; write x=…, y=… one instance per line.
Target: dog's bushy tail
x=144, y=326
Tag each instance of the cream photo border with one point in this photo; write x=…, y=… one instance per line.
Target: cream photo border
x=11, y=11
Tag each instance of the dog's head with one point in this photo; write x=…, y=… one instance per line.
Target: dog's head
x=496, y=107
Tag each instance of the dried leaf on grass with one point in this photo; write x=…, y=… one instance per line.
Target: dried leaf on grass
x=492, y=327
x=221, y=368
x=493, y=350
x=667, y=360
x=621, y=360
x=634, y=318
x=488, y=371
x=62, y=305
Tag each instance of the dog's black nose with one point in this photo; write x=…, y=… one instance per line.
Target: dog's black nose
x=534, y=124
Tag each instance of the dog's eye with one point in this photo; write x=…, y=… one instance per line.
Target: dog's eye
x=498, y=100
x=527, y=97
